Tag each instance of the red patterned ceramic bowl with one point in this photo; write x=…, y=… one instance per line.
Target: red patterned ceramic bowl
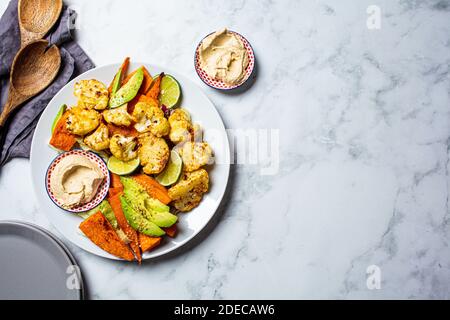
x=102, y=190
x=217, y=84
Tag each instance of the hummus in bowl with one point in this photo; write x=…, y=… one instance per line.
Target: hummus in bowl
x=224, y=60
x=77, y=181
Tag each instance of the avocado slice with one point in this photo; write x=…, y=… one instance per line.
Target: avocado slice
x=138, y=222
x=128, y=91
x=116, y=82
x=133, y=189
x=105, y=208
x=156, y=205
x=58, y=116
x=160, y=218
x=151, y=209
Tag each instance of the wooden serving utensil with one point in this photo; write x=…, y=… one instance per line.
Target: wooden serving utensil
x=34, y=68
x=36, y=18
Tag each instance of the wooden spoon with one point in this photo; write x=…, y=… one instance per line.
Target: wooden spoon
x=36, y=18
x=33, y=69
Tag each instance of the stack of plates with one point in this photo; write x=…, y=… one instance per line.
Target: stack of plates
x=36, y=265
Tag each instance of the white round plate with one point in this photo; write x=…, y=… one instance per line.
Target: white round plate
x=203, y=112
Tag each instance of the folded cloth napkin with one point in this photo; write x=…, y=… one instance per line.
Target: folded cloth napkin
x=21, y=125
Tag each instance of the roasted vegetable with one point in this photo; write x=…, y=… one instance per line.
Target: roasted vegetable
x=150, y=208
x=61, y=138
x=180, y=126
x=105, y=208
x=116, y=207
x=188, y=192
x=122, y=147
x=195, y=155
x=153, y=153
x=153, y=188
x=155, y=88
x=150, y=118
x=124, y=131
x=148, y=243
x=58, y=116
x=118, y=116
x=92, y=94
x=138, y=222
x=99, y=231
x=81, y=120
x=128, y=91
x=99, y=139
x=115, y=84
x=115, y=182
x=147, y=82
x=171, y=231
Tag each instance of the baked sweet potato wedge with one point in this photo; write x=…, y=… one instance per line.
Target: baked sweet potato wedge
x=61, y=138
x=123, y=224
x=125, y=131
x=153, y=187
x=148, y=243
x=171, y=231
x=155, y=88
x=98, y=229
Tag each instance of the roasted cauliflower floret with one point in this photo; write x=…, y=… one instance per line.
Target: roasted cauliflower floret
x=92, y=94
x=153, y=153
x=118, y=116
x=81, y=121
x=150, y=118
x=180, y=126
x=122, y=147
x=196, y=133
x=188, y=192
x=99, y=139
x=195, y=155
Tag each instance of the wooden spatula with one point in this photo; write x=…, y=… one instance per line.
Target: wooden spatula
x=33, y=69
x=36, y=18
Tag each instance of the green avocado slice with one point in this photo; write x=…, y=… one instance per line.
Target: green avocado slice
x=161, y=218
x=105, y=208
x=58, y=116
x=138, y=222
x=128, y=91
x=116, y=82
x=151, y=209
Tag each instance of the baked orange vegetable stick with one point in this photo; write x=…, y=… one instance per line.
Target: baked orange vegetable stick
x=148, y=243
x=171, y=231
x=113, y=191
x=61, y=138
x=131, y=234
x=147, y=81
x=154, y=90
x=126, y=131
x=153, y=187
x=128, y=77
x=140, y=98
x=131, y=104
x=144, y=98
x=98, y=229
x=115, y=181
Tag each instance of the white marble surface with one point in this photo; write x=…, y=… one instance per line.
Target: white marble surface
x=364, y=150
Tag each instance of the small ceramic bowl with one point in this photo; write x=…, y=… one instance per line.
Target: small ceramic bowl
x=217, y=84
x=102, y=190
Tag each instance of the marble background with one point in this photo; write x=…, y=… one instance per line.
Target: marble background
x=363, y=116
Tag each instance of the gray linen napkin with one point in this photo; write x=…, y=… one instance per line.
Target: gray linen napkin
x=21, y=125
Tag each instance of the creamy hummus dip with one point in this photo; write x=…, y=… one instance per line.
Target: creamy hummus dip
x=222, y=56
x=75, y=180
